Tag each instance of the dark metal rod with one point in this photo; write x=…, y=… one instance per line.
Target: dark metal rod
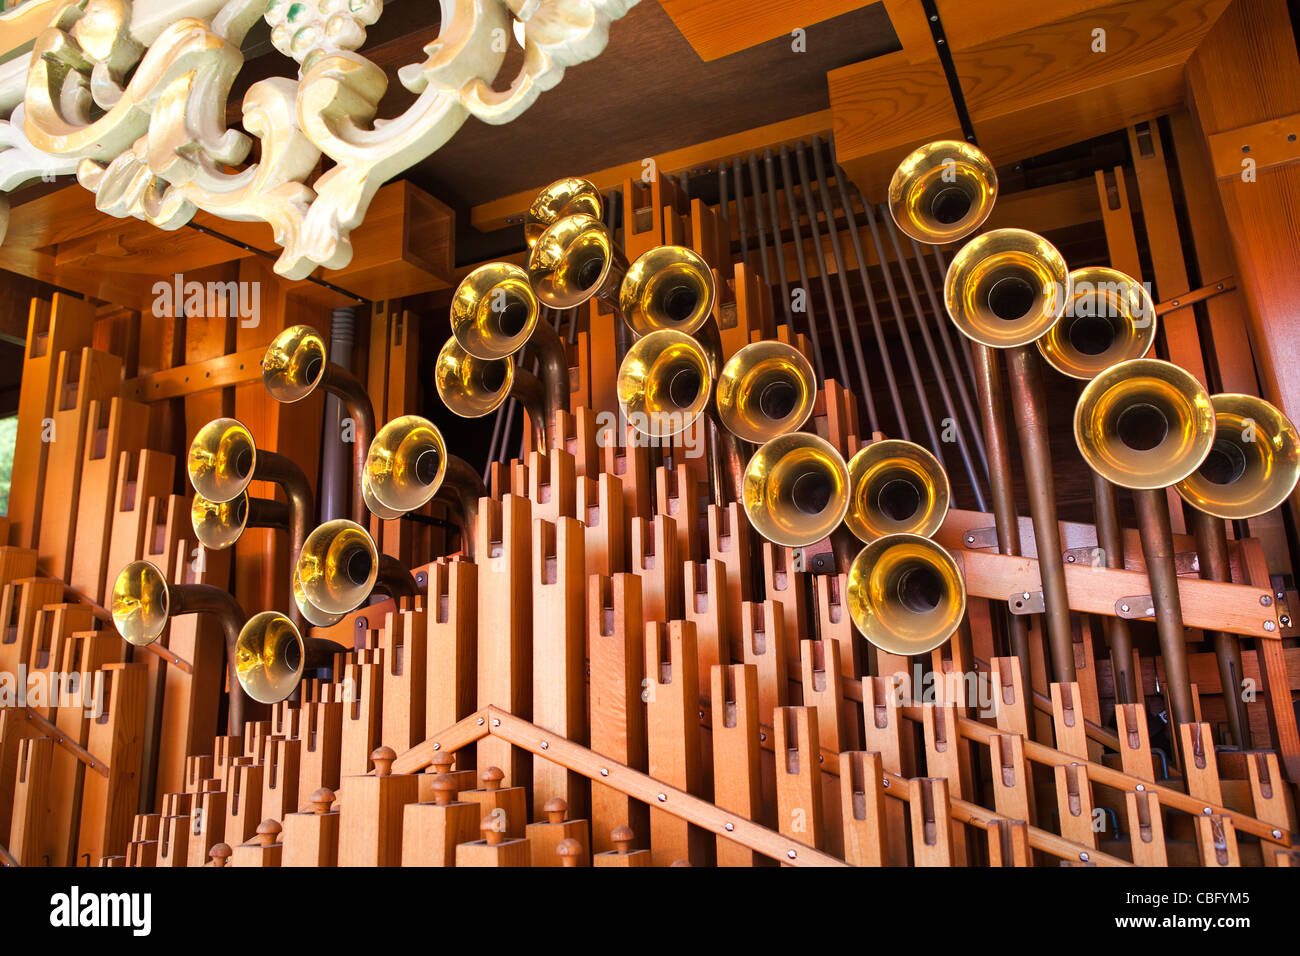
x=1029, y=405
x=841, y=363
x=804, y=286
x=333, y=465
x=892, y=382
x=988, y=386
x=285, y=473
x=963, y=447
x=757, y=186
x=778, y=247
x=960, y=367
x=1212, y=547
x=1158, y=551
x=904, y=337
x=1111, y=542
x=339, y=381
x=828, y=210
x=965, y=365
x=740, y=211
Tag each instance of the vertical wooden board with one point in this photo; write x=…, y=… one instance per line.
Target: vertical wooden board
x=452, y=645
x=672, y=735
x=109, y=803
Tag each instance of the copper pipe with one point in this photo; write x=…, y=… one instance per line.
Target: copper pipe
x=1111, y=542
x=553, y=370
x=988, y=389
x=285, y=473
x=1158, y=551
x=333, y=471
x=394, y=579
x=1029, y=404
x=464, y=486
x=527, y=388
x=339, y=381
x=206, y=599
x=1212, y=547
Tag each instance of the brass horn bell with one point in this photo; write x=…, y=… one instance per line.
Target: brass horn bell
x=795, y=489
x=271, y=656
x=1110, y=318
x=1144, y=424
x=406, y=463
x=1006, y=288
x=664, y=383
x=338, y=566
x=668, y=287
x=574, y=260
x=494, y=311
x=906, y=594
x=222, y=459
x=219, y=524
x=896, y=487
x=471, y=387
x=564, y=197
x=310, y=612
x=294, y=363
x=766, y=389
x=942, y=191
x=1253, y=463
x=141, y=603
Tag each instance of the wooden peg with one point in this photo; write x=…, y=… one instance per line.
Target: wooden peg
x=1146, y=828
x=1200, y=766
x=219, y=855
x=1008, y=842
x=264, y=849
x=442, y=766
x=570, y=852
x=1217, y=838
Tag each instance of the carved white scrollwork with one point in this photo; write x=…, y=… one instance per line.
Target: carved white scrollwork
x=144, y=126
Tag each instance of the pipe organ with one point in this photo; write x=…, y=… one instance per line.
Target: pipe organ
x=909, y=482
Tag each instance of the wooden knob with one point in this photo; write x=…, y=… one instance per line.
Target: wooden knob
x=444, y=790
x=491, y=828
x=569, y=850
x=267, y=831
x=492, y=778
x=622, y=837
x=383, y=758
x=219, y=854
x=442, y=761
x=322, y=799
x=680, y=863
x=555, y=808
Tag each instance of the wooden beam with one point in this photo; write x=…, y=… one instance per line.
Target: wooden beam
x=717, y=28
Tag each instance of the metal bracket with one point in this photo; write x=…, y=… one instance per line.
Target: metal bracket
x=1094, y=557
x=1135, y=606
x=1027, y=602
x=979, y=538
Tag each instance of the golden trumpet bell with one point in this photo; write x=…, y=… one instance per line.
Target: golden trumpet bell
x=795, y=489
x=664, y=383
x=1144, y=424
x=669, y=287
x=943, y=191
x=310, y=612
x=564, y=197
x=405, y=464
x=141, y=603
x=219, y=524
x=294, y=363
x=766, y=389
x=1006, y=288
x=1253, y=463
x=1110, y=318
x=574, y=260
x=374, y=506
x=494, y=311
x=338, y=566
x=269, y=657
x=896, y=487
x=222, y=459
x=906, y=594
x=471, y=387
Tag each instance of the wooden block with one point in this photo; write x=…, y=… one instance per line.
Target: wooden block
x=174, y=840
x=729, y=542
x=322, y=733
x=452, y=614
x=785, y=585
x=616, y=638
x=600, y=508
x=505, y=624
x=545, y=836
x=1135, y=742
x=1012, y=786
x=672, y=734
x=1008, y=842
x=495, y=850
x=862, y=803
x=1074, y=803
x=738, y=787
x=559, y=655
x=404, y=640
x=281, y=777
x=656, y=562
x=622, y=855
x=207, y=825
x=798, y=775
x=763, y=634
x=677, y=496
x=931, y=822
x=432, y=830
x=265, y=849
x=108, y=803
x=363, y=676
x=311, y=836
x=1067, y=717
x=371, y=809
x=882, y=722
x=1218, y=841
x=31, y=806
x=507, y=806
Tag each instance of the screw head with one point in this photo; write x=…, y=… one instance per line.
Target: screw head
x=1140, y=788
x=1277, y=834
x=791, y=854
x=1265, y=600
x=1270, y=626
x=1206, y=811
x=496, y=721
x=604, y=772
x=729, y=827
x=1083, y=857
x=1069, y=559
x=1124, y=608
x=661, y=797
x=437, y=746
x=546, y=745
